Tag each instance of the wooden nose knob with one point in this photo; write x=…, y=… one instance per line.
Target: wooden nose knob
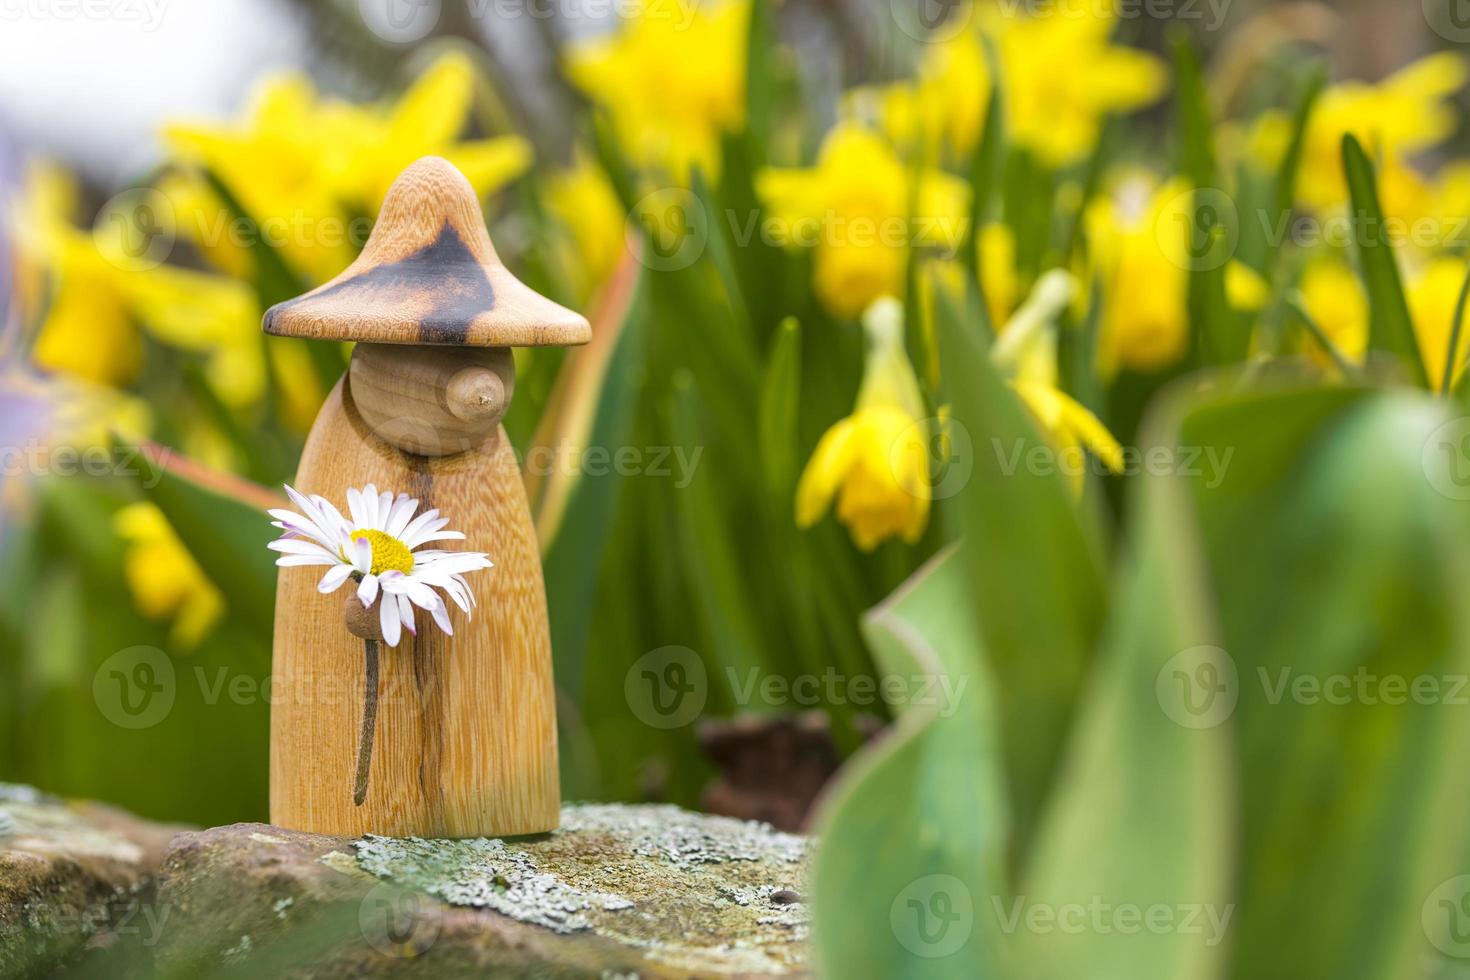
x=432, y=401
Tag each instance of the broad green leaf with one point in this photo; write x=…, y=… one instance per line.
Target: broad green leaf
x=1391, y=328
x=222, y=521
x=592, y=405
x=914, y=831
x=1141, y=813
x=1036, y=573
x=1337, y=554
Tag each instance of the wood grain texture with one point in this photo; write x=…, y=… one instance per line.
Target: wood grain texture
x=466, y=727
x=433, y=401
x=429, y=275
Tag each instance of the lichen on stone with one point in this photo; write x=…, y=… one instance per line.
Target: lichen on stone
x=692, y=891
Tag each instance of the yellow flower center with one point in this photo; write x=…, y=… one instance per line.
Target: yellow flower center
x=388, y=552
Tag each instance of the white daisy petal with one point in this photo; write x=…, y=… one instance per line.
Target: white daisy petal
x=355, y=507
x=362, y=555
x=402, y=512
x=290, y=561
x=393, y=581
x=385, y=507
x=440, y=611
x=298, y=546
x=405, y=610
x=416, y=526
x=421, y=595
x=334, y=578
x=438, y=536
x=388, y=620
x=367, y=592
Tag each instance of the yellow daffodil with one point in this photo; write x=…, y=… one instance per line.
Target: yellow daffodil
x=1334, y=299
x=875, y=461
x=586, y=206
x=1061, y=77
x=1026, y=355
x=105, y=290
x=1138, y=251
x=672, y=79
x=166, y=581
x=1245, y=289
x=1405, y=114
x=309, y=171
x=1434, y=293
x=853, y=207
x=997, y=269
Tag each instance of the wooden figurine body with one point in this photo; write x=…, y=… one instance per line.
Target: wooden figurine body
x=464, y=739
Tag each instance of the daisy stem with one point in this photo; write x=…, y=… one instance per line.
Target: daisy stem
x=369, y=723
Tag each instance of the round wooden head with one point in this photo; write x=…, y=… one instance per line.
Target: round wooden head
x=429, y=275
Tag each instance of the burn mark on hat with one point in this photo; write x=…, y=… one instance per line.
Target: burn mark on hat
x=443, y=277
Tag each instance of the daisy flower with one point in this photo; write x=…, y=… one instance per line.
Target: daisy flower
x=375, y=548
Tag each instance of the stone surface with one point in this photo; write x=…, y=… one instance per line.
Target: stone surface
x=618, y=891
x=76, y=885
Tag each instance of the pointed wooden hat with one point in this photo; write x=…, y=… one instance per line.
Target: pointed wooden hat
x=429, y=275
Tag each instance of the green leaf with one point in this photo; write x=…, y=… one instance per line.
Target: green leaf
x=780, y=409
x=222, y=521
x=914, y=830
x=1036, y=572
x=593, y=405
x=1391, y=326
x=1219, y=336
x=1349, y=800
x=1141, y=812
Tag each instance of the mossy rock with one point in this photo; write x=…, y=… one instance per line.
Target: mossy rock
x=618, y=891
x=76, y=886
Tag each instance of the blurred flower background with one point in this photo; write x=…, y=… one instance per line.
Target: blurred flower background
x=1102, y=359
